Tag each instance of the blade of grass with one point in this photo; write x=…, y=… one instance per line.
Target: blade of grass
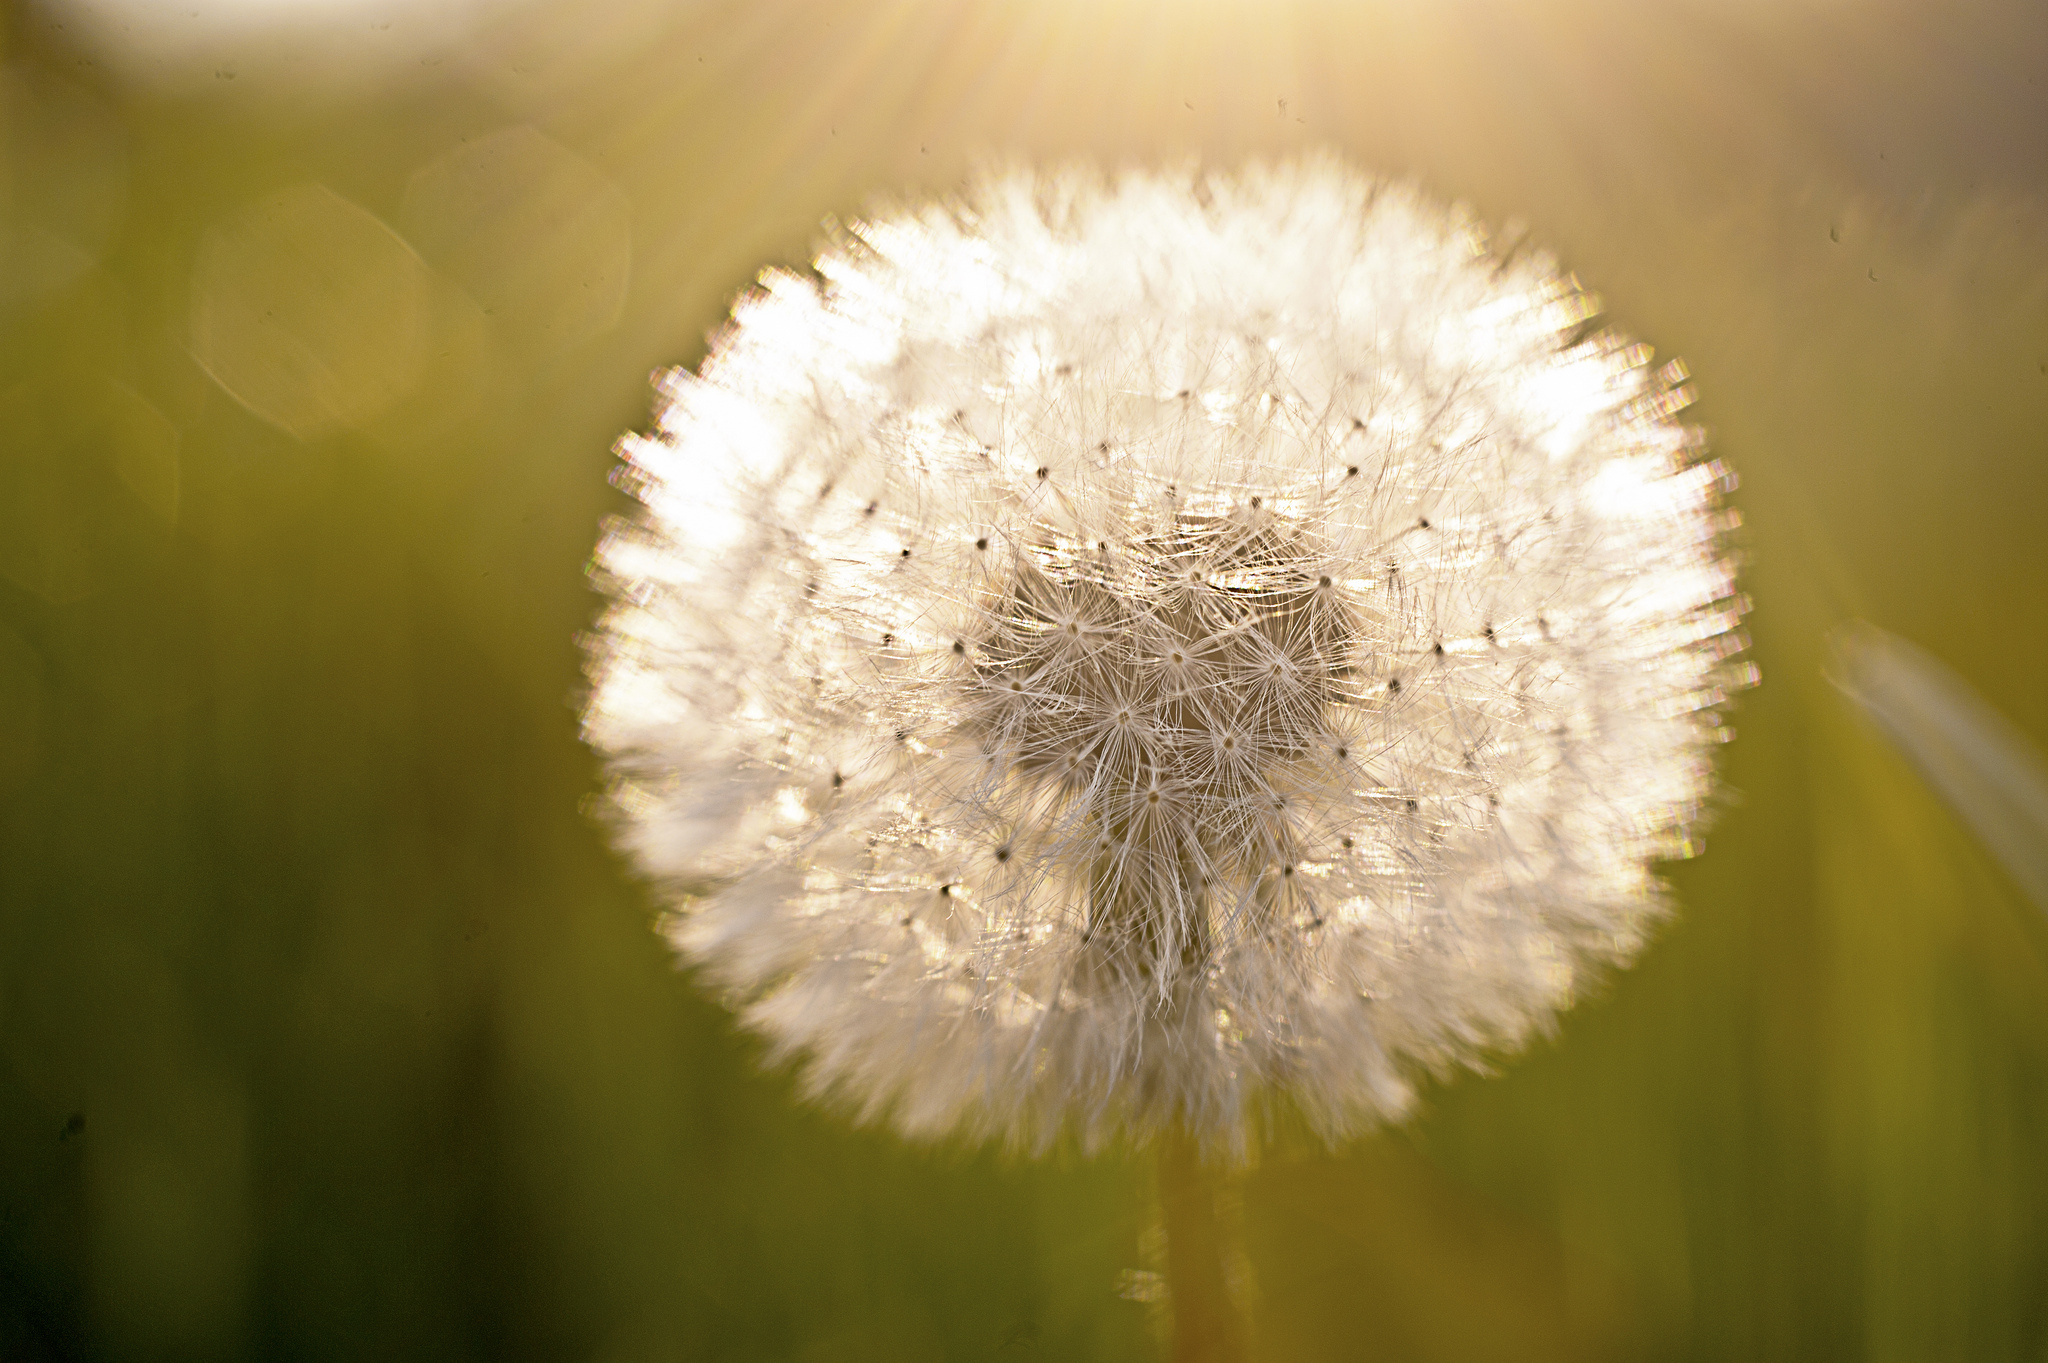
x=1988, y=771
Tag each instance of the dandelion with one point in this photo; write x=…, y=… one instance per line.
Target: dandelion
x=1114, y=656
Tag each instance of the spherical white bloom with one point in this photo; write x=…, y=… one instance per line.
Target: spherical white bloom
x=1103, y=654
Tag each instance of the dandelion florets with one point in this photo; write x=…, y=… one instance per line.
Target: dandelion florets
x=1102, y=654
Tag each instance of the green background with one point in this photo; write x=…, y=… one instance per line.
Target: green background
x=329, y=1026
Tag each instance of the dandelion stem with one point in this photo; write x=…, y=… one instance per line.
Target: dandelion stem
x=1208, y=1320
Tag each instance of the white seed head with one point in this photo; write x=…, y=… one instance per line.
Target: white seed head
x=1102, y=654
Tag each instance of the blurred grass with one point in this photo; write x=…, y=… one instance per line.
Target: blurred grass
x=328, y=1026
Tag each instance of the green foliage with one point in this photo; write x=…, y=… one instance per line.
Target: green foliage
x=329, y=1026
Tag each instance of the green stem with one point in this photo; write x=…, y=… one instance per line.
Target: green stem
x=1208, y=1321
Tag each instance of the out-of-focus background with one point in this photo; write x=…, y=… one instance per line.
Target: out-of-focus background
x=329, y=1027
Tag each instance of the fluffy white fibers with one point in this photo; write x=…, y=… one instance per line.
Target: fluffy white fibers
x=1108, y=653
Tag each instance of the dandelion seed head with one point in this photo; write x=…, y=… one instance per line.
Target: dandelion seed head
x=1108, y=653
